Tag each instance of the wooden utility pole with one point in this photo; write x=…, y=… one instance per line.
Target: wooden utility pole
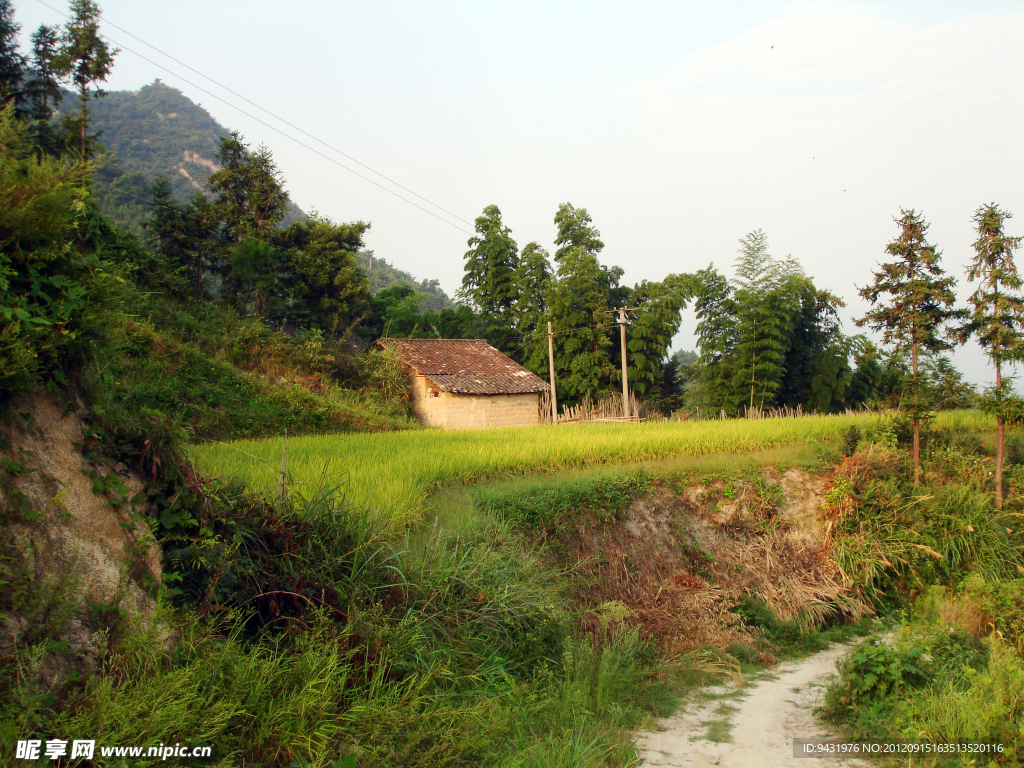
x=551, y=373
x=625, y=376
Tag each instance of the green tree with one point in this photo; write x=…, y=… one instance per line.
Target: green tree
x=267, y=202
x=52, y=284
x=165, y=223
x=866, y=379
x=656, y=321
x=44, y=94
x=946, y=386
x=202, y=244
x=84, y=59
x=912, y=301
x=582, y=324
x=249, y=190
x=530, y=314
x=575, y=231
x=997, y=317
x=230, y=184
x=581, y=298
x=766, y=302
x=489, y=282
x=252, y=278
x=326, y=288
x=717, y=329
x=12, y=62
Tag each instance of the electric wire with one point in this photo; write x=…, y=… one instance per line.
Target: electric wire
x=289, y=124
x=277, y=130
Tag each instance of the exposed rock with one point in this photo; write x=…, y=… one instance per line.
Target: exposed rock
x=78, y=562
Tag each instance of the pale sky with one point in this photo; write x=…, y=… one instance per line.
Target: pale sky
x=679, y=126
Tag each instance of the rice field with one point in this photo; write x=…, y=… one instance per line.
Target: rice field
x=392, y=473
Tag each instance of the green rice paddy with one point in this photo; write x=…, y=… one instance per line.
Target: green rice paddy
x=392, y=473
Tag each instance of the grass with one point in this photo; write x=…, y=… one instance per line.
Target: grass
x=394, y=473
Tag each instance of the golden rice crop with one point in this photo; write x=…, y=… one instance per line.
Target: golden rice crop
x=393, y=472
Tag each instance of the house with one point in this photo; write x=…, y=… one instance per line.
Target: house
x=467, y=384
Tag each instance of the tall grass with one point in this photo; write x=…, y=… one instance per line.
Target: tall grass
x=393, y=473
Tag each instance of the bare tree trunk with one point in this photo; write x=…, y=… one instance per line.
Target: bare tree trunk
x=917, y=424
x=1000, y=436
x=84, y=98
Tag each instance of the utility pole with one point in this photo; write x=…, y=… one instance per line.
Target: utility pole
x=623, y=321
x=551, y=373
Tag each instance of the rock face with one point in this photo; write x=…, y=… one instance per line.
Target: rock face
x=77, y=559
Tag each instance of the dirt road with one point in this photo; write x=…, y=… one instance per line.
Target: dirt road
x=752, y=726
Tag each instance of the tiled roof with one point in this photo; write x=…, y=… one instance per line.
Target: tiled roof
x=466, y=366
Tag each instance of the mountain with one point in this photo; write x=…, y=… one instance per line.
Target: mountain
x=154, y=130
x=158, y=130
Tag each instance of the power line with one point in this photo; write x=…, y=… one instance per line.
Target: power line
x=291, y=125
x=278, y=130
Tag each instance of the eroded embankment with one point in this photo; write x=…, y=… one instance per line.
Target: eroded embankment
x=695, y=560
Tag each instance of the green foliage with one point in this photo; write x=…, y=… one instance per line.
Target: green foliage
x=220, y=377
x=770, y=339
x=84, y=60
x=324, y=286
x=548, y=507
x=491, y=263
x=383, y=275
x=912, y=299
x=944, y=677
x=54, y=286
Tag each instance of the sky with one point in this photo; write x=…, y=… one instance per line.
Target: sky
x=679, y=126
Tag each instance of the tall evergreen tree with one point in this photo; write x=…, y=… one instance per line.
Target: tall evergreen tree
x=12, y=62
x=533, y=284
x=267, y=201
x=249, y=189
x=85, y=59
x=489, y=282
x=912, y=301
x=997, y=317
x=204, y=245
x=43, y=92
x=164, y=223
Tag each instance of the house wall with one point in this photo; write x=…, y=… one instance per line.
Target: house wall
x=447, y=410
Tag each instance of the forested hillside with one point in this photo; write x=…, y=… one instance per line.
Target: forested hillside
x=154, y=131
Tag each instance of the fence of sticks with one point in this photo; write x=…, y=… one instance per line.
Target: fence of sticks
x=609, y=408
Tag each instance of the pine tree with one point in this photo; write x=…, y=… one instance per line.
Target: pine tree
x=913, y=302
x=12, y=62
x=997, y=317
x=267, y=201
x=202, y=238
x=250, y=192
x=43, y=92
x=164, y=223
x=85, y=59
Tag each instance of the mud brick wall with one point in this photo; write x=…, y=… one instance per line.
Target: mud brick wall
x=435, y=408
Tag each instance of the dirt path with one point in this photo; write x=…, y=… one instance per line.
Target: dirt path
x=752, y=726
